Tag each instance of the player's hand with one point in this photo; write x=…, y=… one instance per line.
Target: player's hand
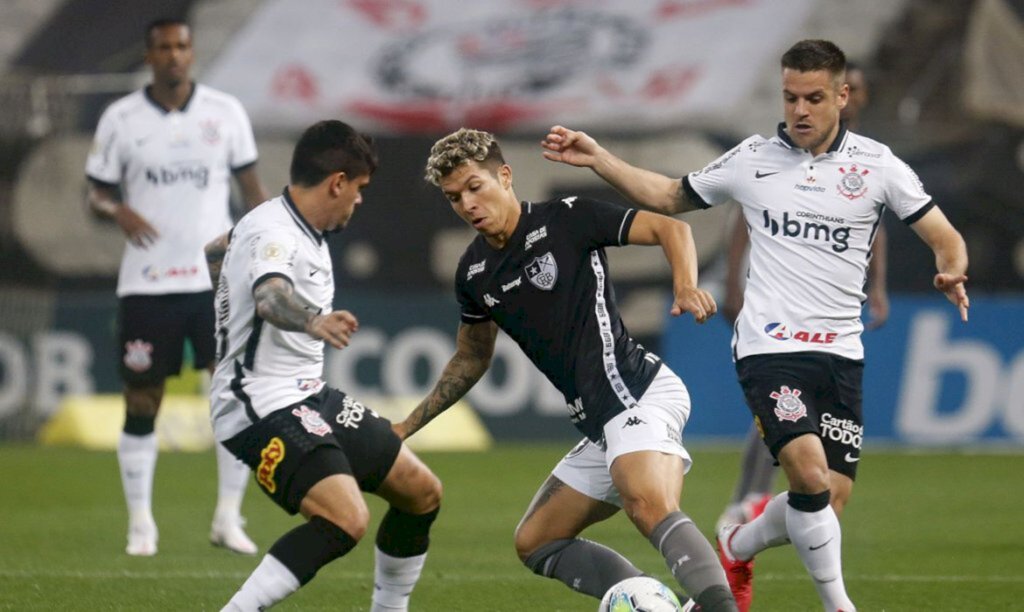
x=695, y=301
x=953, y=286
x=334, y=328
x=570, y=147
x=878, y=308
x=139, y=232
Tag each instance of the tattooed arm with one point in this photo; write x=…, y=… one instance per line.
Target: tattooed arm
x=474, y=348
x=277, y=304
x=215, y=251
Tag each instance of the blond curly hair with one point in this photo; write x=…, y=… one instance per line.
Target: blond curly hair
x=459, y=147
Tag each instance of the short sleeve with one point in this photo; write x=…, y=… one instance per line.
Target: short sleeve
x=596, y=222
x=904, y=193
x=243, y=144
x=713, y=184
x=271, y=253
x=104, y=161
x=469, y=310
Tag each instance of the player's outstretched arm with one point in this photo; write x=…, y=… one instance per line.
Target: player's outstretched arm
x=644, y=188
x=950, y=257
x=277, y=304
x=473, y=352
x=676, y=240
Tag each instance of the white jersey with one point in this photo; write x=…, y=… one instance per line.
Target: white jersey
x=174, y=169
x=812, y=221
x=261, y=368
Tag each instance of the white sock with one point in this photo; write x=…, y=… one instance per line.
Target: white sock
x=766, y=531
x=268, y=584
x=393, y=580
x=232, y=479
x=136, y=456
x=818, y=541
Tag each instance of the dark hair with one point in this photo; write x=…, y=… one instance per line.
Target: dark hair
x=811, y=55
x=331, y=146
x=163, y=23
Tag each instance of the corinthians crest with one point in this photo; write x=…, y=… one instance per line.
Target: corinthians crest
x=543, y=272
x=852, y=183
x=788, y=406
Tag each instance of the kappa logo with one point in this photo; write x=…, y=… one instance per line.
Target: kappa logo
x=788, y=406
x=542, y=272
x=270, y=457
x=138, y=355
x=490, y=301
x=312, y=421
x=633, y=421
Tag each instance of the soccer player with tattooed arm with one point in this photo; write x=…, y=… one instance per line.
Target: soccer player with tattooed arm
x=538, y=271
x=314, y=449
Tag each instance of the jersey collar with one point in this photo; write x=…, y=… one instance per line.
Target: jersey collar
x=836, y=145
x=148, y=91
x=300, y=220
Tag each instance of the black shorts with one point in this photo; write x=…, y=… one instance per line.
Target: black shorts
x=292, y=449
x=152, y=330
x=792, y=394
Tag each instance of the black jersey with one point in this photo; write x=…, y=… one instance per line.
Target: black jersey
x=549, y=290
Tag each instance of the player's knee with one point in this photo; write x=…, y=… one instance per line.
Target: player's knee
x=430, y=496
x=143, y=401
x=537, y=559
x=528, y=540
x=808, y=478
x=354, y=521
x=647, y=512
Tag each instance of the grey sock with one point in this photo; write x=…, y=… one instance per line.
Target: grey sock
x=757, y=470
x=582, y=565
x=692, y=561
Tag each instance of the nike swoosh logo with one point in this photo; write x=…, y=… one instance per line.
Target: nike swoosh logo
x=820, y=545
x=759, y=174
x=312, y=272
x=851, y=459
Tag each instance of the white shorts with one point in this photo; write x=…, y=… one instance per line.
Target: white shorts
x=655, y=424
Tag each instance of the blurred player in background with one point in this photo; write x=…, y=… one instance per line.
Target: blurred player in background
x=160, y=168
x=313, y=448
x=539, y=272
x=812, y=196
x=758, y=468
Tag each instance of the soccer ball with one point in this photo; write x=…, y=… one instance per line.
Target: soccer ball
x=639, y=594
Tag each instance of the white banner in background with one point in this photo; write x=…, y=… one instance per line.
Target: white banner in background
x=407, y=66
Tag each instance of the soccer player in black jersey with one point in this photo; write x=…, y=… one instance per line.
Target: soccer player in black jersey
x=539, y=272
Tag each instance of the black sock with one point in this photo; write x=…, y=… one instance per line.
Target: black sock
x=310, y=546
x=405, y=535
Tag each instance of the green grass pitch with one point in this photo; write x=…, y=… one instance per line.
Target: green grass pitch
x=925, y=531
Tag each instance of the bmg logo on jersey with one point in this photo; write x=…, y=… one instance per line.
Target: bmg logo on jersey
x=809, y=229
x=198, y=175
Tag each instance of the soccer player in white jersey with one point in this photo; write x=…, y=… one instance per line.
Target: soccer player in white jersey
x=160, y=167
x=755, y=485
x=313, y=448
x=812, y=197
x=538, y=271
